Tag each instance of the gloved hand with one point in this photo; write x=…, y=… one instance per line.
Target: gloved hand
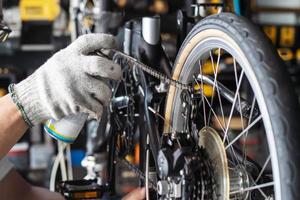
x=70, y=82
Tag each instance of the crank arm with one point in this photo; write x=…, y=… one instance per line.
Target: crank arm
x=244, y=109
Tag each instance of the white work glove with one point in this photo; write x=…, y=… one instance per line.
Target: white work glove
x=70, y=82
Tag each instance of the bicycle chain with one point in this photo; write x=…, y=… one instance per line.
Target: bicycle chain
x=115, y=55
x=136, y=170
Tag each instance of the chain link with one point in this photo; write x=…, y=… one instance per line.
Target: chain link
x=132, y=62
x=136, y=170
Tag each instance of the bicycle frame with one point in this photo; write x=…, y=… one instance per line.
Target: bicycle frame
x=141, y=41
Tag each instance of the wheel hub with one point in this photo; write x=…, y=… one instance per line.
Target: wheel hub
x=239, y=180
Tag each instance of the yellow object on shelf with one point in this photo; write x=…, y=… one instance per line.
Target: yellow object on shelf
x=39, y=10
x=298, y=54
x=287, y=36
x=286, y=54
x=271, y=32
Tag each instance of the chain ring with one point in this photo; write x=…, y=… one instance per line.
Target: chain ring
x=126, y=139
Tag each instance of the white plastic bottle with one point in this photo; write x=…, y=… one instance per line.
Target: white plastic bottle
x=66, y=129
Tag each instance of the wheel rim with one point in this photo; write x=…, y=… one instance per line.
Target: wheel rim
x=198, y=48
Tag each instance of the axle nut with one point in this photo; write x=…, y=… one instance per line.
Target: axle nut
x=162, y=187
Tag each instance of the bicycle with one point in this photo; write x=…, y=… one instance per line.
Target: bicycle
x=193, y=120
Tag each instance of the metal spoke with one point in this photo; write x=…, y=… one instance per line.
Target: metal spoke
x=215, y=85
x=212, y=110
x=244, y=131
x=246, y=135
x=259, y=189
x=262, y=192
x=254, y=187
x=203, y=103
x=214, y=113
x=263, y=169
x=221, y=104
x=233, y=105
x=239, y=98
x=231, y=148
x=238, y=94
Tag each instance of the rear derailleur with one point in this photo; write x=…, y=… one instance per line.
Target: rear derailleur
x=184, y=169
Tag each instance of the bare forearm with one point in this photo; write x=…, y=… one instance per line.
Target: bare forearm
x=12, y=125
x=14, y=187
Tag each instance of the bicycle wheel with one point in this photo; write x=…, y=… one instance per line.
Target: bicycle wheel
x=243, y=93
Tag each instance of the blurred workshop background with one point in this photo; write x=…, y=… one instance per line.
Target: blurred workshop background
x=41, y=27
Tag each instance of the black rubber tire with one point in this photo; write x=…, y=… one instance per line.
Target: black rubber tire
x=277, y=89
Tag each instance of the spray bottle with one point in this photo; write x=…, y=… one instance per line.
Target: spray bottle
x=66, y=129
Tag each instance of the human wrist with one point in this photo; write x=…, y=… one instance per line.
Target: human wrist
x=12, y=110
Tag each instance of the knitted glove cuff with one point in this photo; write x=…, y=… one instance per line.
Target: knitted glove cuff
x=25, y=96
x=15, y=99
